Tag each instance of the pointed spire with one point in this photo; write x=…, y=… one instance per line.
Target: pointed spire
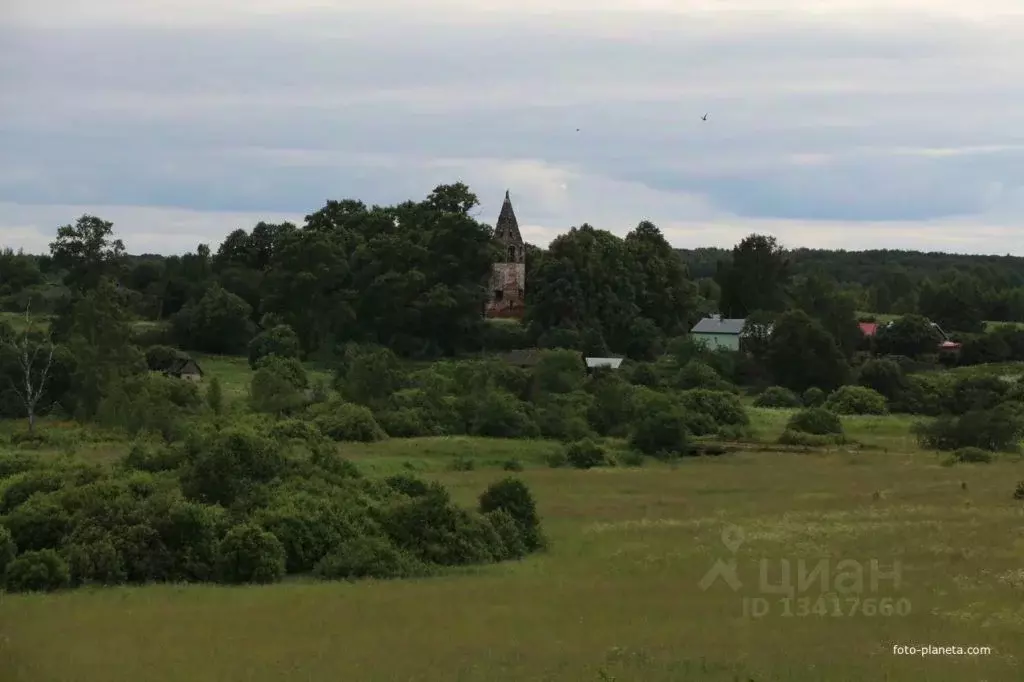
x=507, y=227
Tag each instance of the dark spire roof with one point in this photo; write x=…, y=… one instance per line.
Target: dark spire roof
x=507, y=227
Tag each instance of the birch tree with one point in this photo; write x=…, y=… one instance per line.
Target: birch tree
x=34, y=361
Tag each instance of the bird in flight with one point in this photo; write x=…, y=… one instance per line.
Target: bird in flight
x=704, y=117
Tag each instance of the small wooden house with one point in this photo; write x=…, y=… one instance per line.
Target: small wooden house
x=185, y=368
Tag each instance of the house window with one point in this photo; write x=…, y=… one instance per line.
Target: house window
x=511, y=253
x=498, y=294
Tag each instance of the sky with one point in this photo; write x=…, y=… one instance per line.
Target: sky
x=849, y=124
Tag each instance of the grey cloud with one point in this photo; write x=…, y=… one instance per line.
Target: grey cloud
x=280, y=115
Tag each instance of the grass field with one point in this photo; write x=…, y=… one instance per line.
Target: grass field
x=618, y=595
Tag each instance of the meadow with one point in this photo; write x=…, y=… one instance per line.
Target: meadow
x=617, y=596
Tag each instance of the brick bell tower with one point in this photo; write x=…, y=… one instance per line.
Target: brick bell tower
x=508, y=275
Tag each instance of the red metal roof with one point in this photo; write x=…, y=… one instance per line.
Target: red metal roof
x=868, y=328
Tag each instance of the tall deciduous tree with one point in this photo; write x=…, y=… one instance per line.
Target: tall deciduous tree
x=34, y=357
x=88, y=251
x=755, y=279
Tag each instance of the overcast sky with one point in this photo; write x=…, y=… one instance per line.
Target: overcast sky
x=869, y=124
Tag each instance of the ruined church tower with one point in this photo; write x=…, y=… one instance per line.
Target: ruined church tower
x=508, y=275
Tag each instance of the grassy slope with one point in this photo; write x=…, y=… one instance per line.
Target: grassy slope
x=617, y=594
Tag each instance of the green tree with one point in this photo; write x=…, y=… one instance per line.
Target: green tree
x=910, y=335
x=280, y=340
x=34, y=358
x=88, y=252
x=802, y=354
x=756, y=277
x=101, y=345
x=220, y=322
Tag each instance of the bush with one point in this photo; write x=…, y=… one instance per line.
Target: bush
x=249, y=554
x=661, y=434
x=998, y=429
x=433, y=530
x=230, y=464
x=724, y=408
x=513, y=496
x=280, y=340
x=630, y=458
x=348, y=422
x=698, y=375
x=408, y=485
x=791, y=437
x=37, y=571
x=816, y=421
x=777, y=396
x=8, y=549
x=557, y=459
x=368, y=557
x=884, y=376
x=972, y=455
x=856, y=400
x=585, y=454
x=814, y=397
x=1018, y=493
x=20, y=487
x=512, y=465
x=153, y=457
x=462, y=463
x=93, y=558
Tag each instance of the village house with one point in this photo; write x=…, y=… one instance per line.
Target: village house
x=719, y=332
x=184, y=368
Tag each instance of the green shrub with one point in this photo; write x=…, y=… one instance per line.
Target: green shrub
x=723, y=407
x=585, y=454
x=791, y=437
x=557, y=459
x=406, y=423
x=661, y=434
x=39, y=523
x=972, y=455
x=512, y=465
x=499, y=414
x=462, y=463
x=17, y=489
x=279, y=340
x=856, y=400
x=884, y=376
x=368, y=557
x=435, y=531
x=698, y=375
x=249, y=554
x=408, y=485
x=514, y=497
x=153, y=457
x=777, y=396
x=8, y=550
x=511, y=533
x=295, y=429
x=814, y=397
x=1018, y=493
x=349, y=422
x=230, y=464
x=17, y=462
x=997, y=429
x=630, y=458
x=37, y=571
x=816, y=421
x=93, y=558
x=309, y=526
